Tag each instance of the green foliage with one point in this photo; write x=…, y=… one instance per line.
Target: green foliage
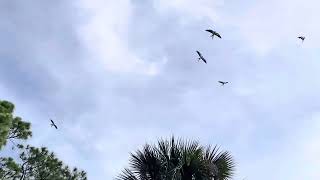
x=9, y=169
x=33, y=163
x=19, y=129
x=170, y=160
x=6, y=110
x=12, y=127
x=37, y=163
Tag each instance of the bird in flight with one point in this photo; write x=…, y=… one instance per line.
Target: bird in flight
x=302, y=38
x=223, y=83
x=201, y=57
x=53, y=124
x=213, y=33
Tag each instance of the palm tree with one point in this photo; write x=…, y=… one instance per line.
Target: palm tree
x=181, y=160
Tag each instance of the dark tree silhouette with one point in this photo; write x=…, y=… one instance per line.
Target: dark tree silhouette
x=181, y=160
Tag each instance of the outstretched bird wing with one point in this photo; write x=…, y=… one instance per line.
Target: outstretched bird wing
x=210, y=31
x=53, y=124
x=199, y=53
x=201, y=57
x=217, y=34
x=204, y=60
x=223, y=82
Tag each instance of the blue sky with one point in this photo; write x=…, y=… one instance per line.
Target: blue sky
x=117, y=74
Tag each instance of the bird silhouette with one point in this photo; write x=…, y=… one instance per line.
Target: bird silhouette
x=302, y=38
x=201, y=57
x=223, y=82
x=53, y=124
x=213, y=33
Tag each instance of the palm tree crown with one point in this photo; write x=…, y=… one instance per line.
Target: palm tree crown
x=181, y=160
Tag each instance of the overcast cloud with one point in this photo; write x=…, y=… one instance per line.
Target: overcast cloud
x=117, y=74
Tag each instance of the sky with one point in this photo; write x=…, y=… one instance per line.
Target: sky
x=115, y=75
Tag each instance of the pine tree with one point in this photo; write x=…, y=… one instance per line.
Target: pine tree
x=39, y=164
x=12, y=127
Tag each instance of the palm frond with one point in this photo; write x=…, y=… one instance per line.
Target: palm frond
x=179, y=160
x=225, y=165
x=127, y=175
x=146, y=163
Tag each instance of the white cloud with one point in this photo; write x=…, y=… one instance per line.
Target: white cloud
x=187, y=9
x=106, y=33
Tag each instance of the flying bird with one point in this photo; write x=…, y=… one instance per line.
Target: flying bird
x=201, y=57
x=213, y=33
x=53, y=124
x=223, y=82
x=302, y=38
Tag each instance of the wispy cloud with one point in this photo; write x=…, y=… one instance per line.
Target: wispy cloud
x=105, y=33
